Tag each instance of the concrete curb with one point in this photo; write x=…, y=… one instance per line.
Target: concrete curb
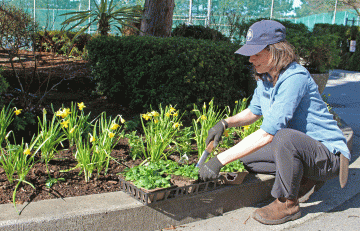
x=119, y=211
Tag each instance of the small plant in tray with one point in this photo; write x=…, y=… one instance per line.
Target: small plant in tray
x=158, y=174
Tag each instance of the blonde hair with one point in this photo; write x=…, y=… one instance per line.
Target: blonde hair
x=282, y=54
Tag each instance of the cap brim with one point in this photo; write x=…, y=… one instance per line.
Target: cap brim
x=249, y=50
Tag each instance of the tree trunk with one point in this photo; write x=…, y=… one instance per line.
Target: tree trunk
x=158, y=18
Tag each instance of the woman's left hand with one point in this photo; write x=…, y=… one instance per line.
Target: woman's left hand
x=210, y=170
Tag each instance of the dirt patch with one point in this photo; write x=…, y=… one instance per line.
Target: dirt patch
x=78, y=88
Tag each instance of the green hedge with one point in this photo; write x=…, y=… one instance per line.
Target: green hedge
x=198, y=32
x=349, y=60
x=142, y=71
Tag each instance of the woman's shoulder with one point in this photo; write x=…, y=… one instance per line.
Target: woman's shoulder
x=296, y=68
x=295, y=73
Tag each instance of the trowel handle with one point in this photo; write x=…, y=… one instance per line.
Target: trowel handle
x=205, y=154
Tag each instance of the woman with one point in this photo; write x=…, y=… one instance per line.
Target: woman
x=299, y=141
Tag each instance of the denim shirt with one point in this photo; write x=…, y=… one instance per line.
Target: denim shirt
x=295, y=102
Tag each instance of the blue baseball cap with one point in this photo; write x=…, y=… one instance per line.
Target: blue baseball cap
x=261, y=34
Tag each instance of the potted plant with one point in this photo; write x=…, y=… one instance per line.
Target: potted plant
x=319, y=55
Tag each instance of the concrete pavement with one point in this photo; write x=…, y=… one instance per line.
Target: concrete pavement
x=331, y=208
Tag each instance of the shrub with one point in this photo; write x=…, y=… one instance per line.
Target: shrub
x=348, y=60
x=61, y=42
x=322, y=54
x=143, y=71
x=198, y=32
x=16, y=29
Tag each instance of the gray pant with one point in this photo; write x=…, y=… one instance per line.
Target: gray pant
x=290, y=156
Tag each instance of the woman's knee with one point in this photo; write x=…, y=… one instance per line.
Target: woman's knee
x=285, y=136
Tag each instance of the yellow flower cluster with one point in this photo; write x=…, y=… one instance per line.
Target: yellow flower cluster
x=154, y=114
x=172, y=112
x=63, y=113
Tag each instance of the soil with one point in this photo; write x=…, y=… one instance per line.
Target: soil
x=77, y=89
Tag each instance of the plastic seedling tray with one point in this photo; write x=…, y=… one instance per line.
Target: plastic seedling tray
x=233, y=178
x=156, y=195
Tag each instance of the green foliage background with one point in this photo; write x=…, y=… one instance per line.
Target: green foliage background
x=144, y=71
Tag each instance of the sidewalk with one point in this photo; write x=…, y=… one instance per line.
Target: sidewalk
x=343, y=87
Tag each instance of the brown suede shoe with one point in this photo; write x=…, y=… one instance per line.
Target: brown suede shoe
x=278, y=212
x=307, y=188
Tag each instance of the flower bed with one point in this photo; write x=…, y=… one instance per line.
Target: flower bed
x=72, y=153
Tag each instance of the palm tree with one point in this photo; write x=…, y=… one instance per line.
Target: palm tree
x=104, y=16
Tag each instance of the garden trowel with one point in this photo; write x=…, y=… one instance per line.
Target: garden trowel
x=205, y=154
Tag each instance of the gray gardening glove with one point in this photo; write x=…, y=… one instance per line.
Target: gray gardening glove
x=210, y=170
x=216, y=132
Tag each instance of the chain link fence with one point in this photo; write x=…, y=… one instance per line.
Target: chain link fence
x=212, y=13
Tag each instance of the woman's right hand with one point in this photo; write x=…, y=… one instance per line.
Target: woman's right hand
x=216, y=132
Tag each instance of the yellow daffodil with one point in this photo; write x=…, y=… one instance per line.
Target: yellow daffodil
x=244, y=99
x=167, y=114
x=203, y=117
x=27, y=151
x=81, y=106
x=176, y=114
x=204, y=106
x=72, y=130
x=67, y=111
x=114, y=126
x=111, y=135
x=146, y=116
x=92, y=139
x=122, y=120
x=172, y=109
x=176, y=125
x=65, y=123
x=236, y=102
x=155, y=113
x=17, y=111
x=246, y=127
x=63, y=113
x=156, y=121
x=58, y=113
